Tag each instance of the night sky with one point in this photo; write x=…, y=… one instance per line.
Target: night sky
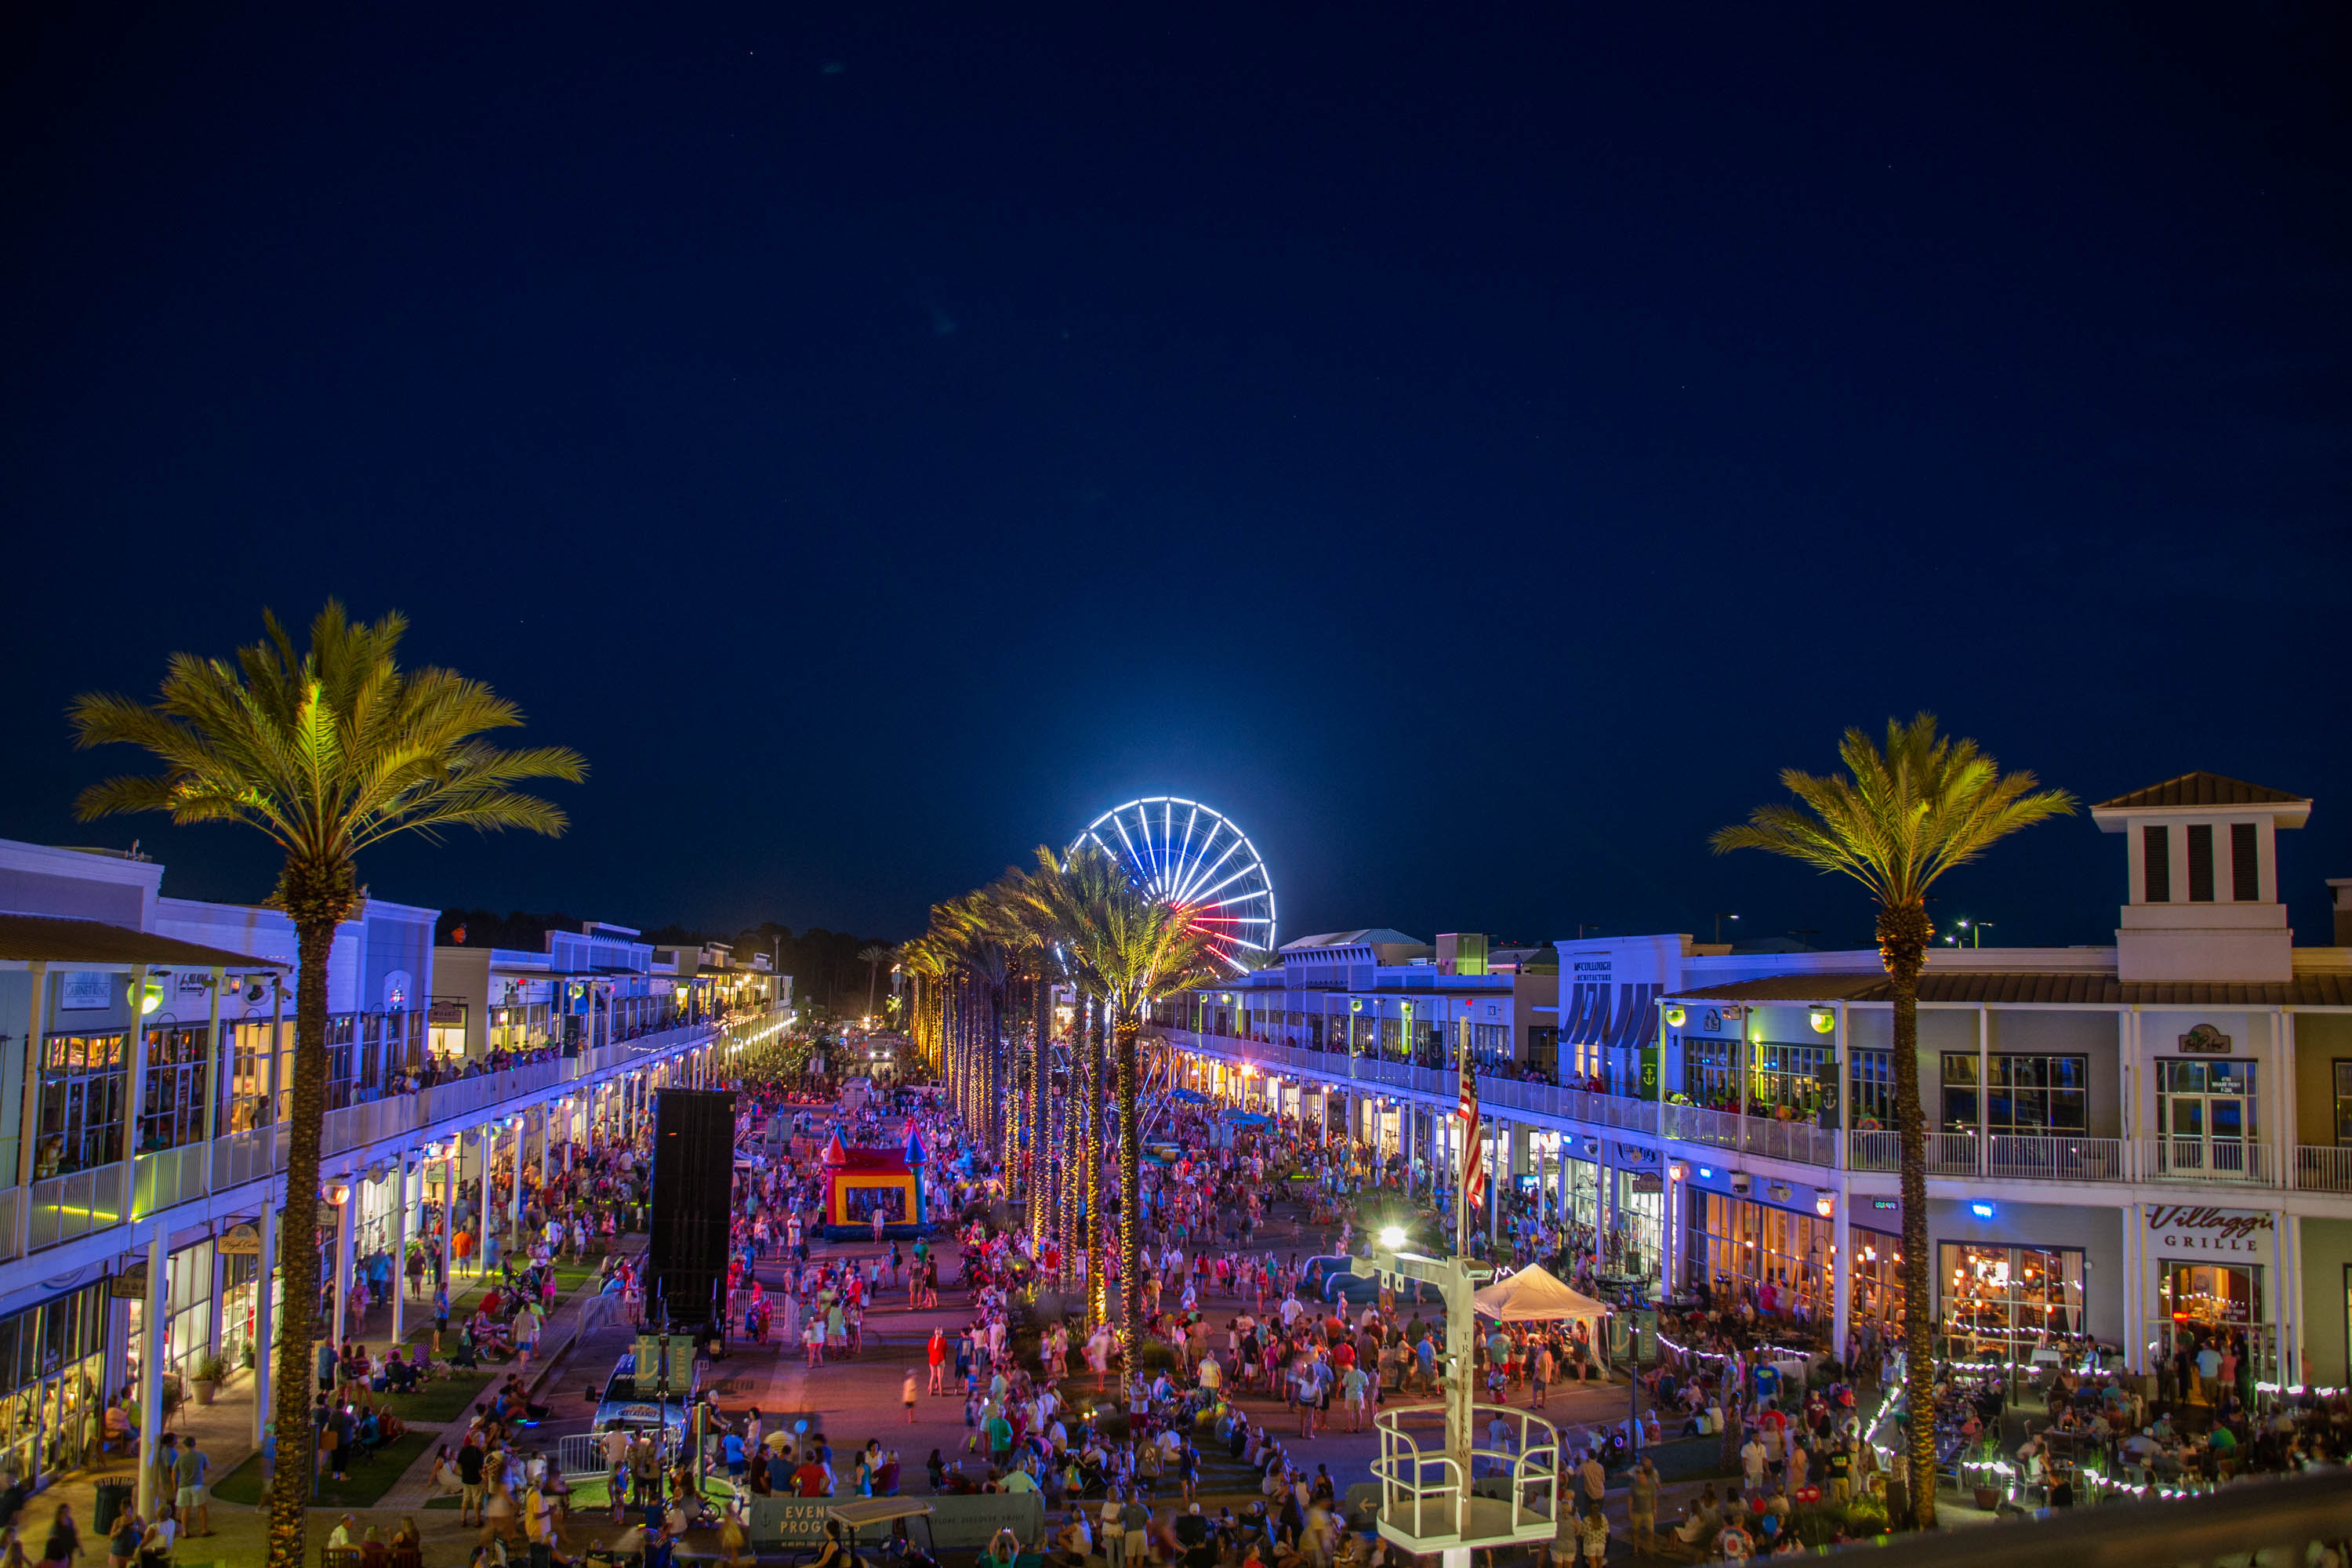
x=1474, y=447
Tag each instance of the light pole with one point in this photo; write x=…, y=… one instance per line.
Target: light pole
x=1721, y=916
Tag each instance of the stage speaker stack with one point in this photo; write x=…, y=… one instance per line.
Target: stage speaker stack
x=693, y=1202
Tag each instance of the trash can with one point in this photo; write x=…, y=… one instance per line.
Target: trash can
x=108, y=1505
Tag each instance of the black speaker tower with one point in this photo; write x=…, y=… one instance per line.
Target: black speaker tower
x=693, y=1202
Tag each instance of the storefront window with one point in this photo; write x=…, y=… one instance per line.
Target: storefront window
x=190, y=1299
x=1787, y=1078
x=178, y=1071
x=1872, y=1095
x=2002, y=1302
x=1780, y=1259
x=53, y=1357
x=2030, y=1095
x=239, y=1301
x=1490, y=1047
x=1707, y=1070
x=249, y=1053
x=82, y=1090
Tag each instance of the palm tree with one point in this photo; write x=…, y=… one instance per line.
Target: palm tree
x=1133, y=949
x=875, y=957
x=327, y=752
x=1895, y=821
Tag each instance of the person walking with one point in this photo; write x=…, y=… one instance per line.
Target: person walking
x=191, y=1471
x=1641, y=1508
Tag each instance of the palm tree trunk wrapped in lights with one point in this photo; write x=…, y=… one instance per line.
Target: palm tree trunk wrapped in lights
x=1128, y=949
x=1097, y=1277
x=328, y=751
x=1895, y=821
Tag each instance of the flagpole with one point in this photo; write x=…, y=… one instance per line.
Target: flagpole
x=1462, y=1339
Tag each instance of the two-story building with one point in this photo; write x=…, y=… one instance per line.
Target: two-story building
x=146, y=1047
x=2133, y=1142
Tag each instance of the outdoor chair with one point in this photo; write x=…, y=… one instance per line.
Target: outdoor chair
x=338, y=1557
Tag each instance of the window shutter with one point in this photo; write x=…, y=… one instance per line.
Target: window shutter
x=2156, y=877
x=2200, y=862
x=2245, y=871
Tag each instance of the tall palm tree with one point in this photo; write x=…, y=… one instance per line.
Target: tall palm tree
x=1133, y=949
x=1896, y=820
x=875, y=957
x=327, y=751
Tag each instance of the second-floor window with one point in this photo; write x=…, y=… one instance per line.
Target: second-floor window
x=1490, y=1047
x=2030, y=1095
x=2344, y=1104
x=1872, y=1095
x=178, y=1072
x=1707, y=1071
x=82, y=1093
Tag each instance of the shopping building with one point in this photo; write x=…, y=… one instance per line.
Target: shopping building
x=146, y=1047
x=2133, y=1142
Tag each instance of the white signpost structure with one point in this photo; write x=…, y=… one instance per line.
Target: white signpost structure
x=1426, y=1472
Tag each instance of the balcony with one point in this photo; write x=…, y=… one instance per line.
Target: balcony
x=2320, y=1169
x=66, y=1208
x=2239, y=1161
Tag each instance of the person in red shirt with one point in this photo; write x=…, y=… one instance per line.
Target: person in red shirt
x=808, y=1480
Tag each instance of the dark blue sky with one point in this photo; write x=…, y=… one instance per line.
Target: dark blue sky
x=1474, y=446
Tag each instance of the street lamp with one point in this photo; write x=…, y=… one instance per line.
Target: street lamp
x=1721, y=916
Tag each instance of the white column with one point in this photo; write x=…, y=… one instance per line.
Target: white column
x=1498, y=1175
x=134, y=1062
x=151, y=1338
x=2136, y=1287
x=514, y=1195
x=1841, y=1270
x=1984, y=1090
x=449, y=1215
x=343, y=1228
x=400, y=1245
x=2290, y=1297
x=264, y=1323
x=28, y=1121
x=213, y=1083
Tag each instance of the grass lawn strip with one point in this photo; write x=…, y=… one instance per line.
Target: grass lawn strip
x=369, y=1481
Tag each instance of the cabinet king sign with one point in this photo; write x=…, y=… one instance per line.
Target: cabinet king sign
x=2185, y=1227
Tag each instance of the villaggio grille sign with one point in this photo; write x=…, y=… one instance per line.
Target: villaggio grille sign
x=2184, y=1227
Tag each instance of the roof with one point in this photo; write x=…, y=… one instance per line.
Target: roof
x=1372, y=936
x=1534, y=1296
x=2202, y=789
x=2055, y=990
x=57, y=939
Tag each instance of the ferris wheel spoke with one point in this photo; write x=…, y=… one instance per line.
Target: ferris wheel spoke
x=1198, y=874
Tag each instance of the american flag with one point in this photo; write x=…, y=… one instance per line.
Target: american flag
x=1473, y=1155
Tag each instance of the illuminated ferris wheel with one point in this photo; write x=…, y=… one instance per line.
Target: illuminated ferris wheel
x=1184, y=852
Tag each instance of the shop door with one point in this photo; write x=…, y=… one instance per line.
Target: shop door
x=2208, y=1117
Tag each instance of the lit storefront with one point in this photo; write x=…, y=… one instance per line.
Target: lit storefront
x=52, y=1359
x=2211, y=1286
x=2003, y=1302
x=1783, y=1257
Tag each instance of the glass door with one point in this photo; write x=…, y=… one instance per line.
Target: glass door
x=2205, y=1112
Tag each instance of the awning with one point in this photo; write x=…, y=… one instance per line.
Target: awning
x=27, y=939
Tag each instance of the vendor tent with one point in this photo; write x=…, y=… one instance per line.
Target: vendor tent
x=1533, y=1296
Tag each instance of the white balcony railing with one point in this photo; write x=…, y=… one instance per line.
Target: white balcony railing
x=2057, y=1159
x=166, y=1178
x=2320, y=1169
x=65, y=1208
x=2235, y=1161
